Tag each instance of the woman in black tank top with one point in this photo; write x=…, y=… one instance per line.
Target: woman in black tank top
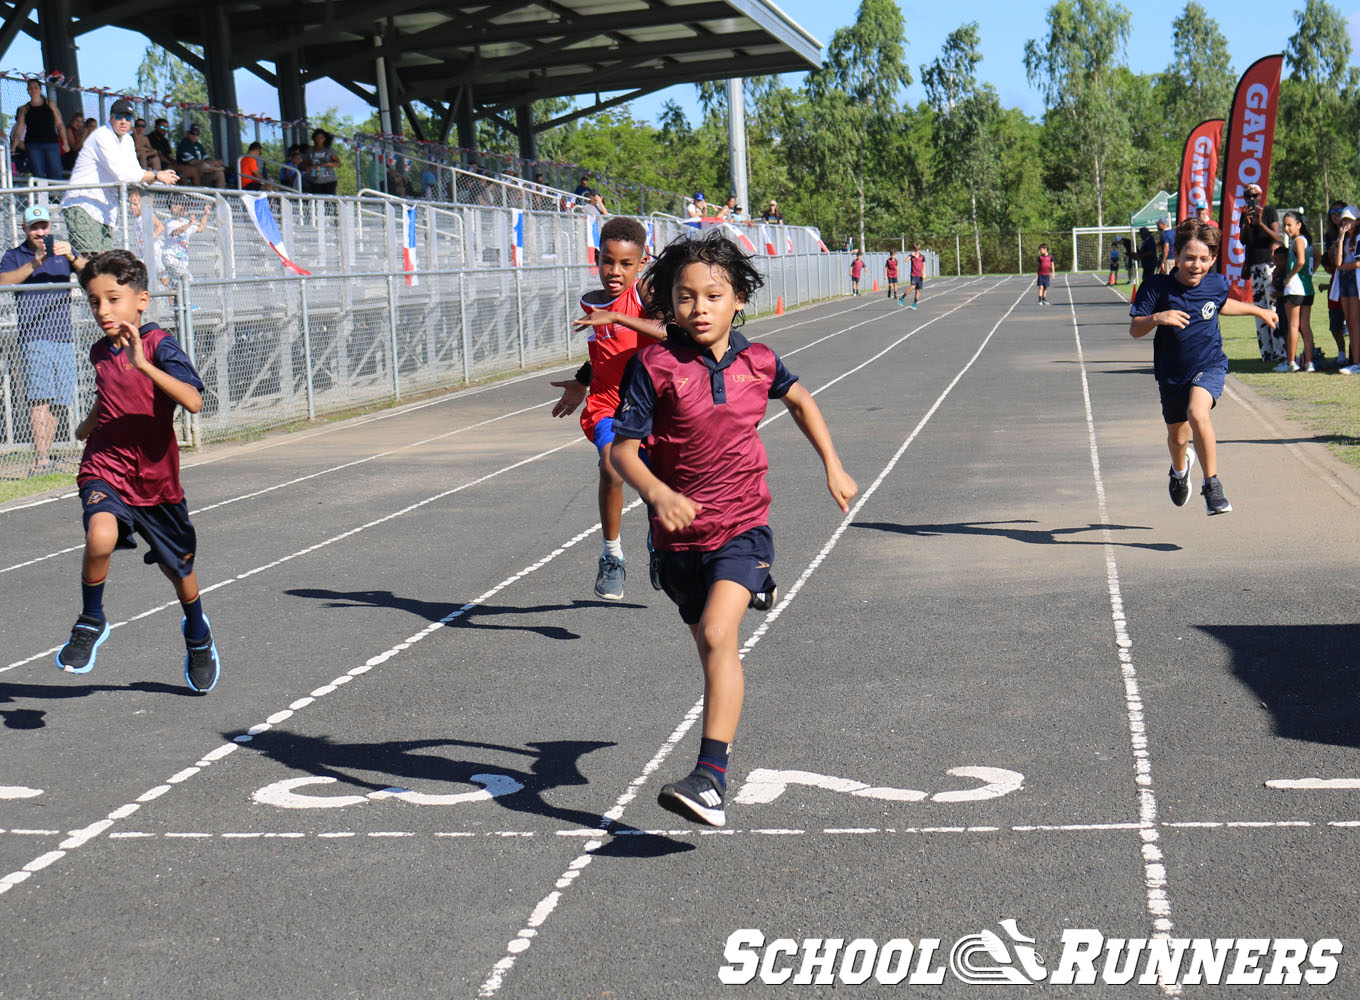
x=37, y=129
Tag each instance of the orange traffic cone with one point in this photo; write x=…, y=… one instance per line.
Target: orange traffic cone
x=779, y=306
x=875, y=284
x=1111, y=281
x=1133, y=291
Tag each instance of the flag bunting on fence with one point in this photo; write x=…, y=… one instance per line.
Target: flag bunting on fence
x=738, y=237
x=770, y=249
x=517, y=237
x=408, y=245
x=1199, y=167
x=258, y=207
x=650, y=226
x=593, y=243
x=1251, y=137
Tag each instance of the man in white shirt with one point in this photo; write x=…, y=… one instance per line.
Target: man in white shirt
x=108, y=156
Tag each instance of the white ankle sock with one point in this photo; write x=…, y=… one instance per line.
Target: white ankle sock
x=613, y=547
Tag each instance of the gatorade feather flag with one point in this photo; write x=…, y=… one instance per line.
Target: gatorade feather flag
x=1251, y=137
x=517, y=237
x=739, y=238
x=768, y=240
x=1199, y=167
x=408, y=245
x=258, y=207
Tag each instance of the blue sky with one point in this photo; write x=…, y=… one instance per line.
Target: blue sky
x=109, y=56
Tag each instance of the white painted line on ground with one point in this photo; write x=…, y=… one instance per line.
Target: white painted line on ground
x=1322, y=784
x=1158, y=902
x=520, y=943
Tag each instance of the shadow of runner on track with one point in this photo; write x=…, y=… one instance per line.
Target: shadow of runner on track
x=1344, y=440
x=1304, y=675
x=551, y=764
x=31, y=718
x=436, y=611
x=1032, y=536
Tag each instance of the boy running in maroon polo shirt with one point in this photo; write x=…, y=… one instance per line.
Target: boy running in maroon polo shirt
x=696, y=399
x=129, y=474
x=890, y=272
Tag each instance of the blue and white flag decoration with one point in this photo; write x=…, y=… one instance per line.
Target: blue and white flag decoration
x=593, y=243
x=650, y=226
x=258, y=207
x=517, y=237
x=408, y=245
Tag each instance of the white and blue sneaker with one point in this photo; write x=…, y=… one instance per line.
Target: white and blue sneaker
x=697, y=797
x=202, y=666
x=80, y=651
x=609, y=579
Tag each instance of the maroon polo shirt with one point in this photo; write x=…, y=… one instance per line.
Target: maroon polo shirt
x=698, y=418
x=133, y=447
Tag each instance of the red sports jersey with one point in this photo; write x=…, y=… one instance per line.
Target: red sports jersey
x=891, y=267
x=857, y=268
x=610, y=346
x=918, y=265
x=133, y=447
x=1045, y=263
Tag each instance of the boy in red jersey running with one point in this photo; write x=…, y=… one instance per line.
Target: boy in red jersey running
x=617, y=314
x=129, y=474
x=1045, y=275
x=697, y=399
x=856, y=270
x=890, y=272
x=917, y=259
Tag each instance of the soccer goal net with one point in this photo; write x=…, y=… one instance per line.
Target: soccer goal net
x=1091, y=246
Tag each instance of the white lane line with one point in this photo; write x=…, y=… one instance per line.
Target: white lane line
x=522, y=941
x=320, y=545
x=1154, y=869
x=1321, y=784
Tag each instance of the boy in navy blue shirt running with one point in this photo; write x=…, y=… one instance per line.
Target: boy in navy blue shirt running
x=1187, y=353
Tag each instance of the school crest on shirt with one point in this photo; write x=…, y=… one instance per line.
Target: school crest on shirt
x=1207, y=310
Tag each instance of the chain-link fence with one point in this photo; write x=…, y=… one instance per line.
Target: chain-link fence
x=276, y=350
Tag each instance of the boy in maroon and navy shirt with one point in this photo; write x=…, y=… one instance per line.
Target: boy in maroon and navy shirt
x=129, y=474
x=696, y=400
x=890, y=272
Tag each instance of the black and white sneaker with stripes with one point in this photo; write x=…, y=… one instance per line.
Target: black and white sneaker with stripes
x=697, y=797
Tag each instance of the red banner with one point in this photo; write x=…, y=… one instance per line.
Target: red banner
x=1199, y=167
x=1251, y=136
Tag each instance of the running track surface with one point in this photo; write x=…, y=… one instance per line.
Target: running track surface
x=1016, y=681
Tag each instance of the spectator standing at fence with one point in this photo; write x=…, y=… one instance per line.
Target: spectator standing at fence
x=252, y=176
x=772, y=213
x=1345, y=261
x=173, y=251
x=107, y=158
x=129, y=473
x=38, y=126
x=595, y=205
x=146, y=153
x=47, y=350
x=582, y=187
x=190, y=153
x=321, y=163
x=1297, y=297
x=1260, y=233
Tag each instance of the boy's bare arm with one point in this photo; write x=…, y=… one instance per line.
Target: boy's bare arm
x=86, y=427
x=674, y=510
x=808, y=416
x=1232, y=307
x=181, y=392
x=1141, y=326
x=654, y=328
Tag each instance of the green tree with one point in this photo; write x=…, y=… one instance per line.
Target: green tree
x=1072, y=69
x=965, y=116
x=174, y=81
x=1198, y=83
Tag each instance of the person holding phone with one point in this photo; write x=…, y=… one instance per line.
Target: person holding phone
x=44, y=326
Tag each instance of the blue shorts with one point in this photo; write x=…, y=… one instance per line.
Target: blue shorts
x=1176, y=398
x=604, y=435
x=918, y=282
x=165, y=527
x=687, y=576
x=1044, y=280
x=1348, y=285
x=50, y=372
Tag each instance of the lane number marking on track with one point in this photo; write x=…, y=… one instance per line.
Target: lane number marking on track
x=763, y=786
x=282, y=794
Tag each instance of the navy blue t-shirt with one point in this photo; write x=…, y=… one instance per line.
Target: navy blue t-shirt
x=1178, y=355
x=42, y=315
x=1168, y=243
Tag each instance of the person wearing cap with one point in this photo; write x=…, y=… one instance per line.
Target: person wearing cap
x=44, y=328
x=107, y=158
x=1260, y=235
x=194, y=162
x=1201, y=208
x=1345, y=265
x=698, y=208
x=772, y=213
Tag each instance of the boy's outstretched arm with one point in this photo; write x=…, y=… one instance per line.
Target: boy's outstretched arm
x=674, y=510
x=1232, y=307
x=654, y=328
x=808, y=416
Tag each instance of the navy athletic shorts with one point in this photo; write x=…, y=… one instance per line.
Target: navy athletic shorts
x=1044, y=280
x=1176, y=398
x=687, y=576
x=165, y=528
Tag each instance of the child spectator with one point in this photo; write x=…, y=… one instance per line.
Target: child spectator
x=1045, y=275
x=1187, y=354
x=890, y=272
x=252, y=170
x=1345, y=261
x=1336, y=318
x=697, y=398
x=1296, y=291
x=917, y=258
x=291, y=173
x=1114, y=262
x=616, y=314
x=856, y=270
x=129, y=474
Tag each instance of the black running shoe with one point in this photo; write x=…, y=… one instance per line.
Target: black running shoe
x=202, y=666
x=80, y=651
x=1214, y=500
x=1179, y=487
x=697, y=797
x=764, y=600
